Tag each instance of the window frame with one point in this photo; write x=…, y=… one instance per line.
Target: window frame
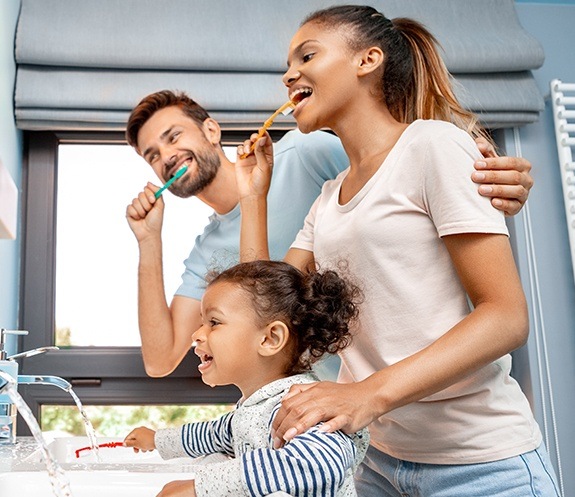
x=99, y=375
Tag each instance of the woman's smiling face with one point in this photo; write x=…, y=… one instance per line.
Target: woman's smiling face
x=321, y=75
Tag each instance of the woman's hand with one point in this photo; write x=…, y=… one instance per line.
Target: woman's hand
x=253, y=174
x=341, y=406
x=179, y=488
x=253, y=177
x=141, y=439
x=505, y=179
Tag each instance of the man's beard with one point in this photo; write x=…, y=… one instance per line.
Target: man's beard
x=207, y=164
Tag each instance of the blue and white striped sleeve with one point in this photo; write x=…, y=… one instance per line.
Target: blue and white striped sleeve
x=314, y=464
x=197, y=439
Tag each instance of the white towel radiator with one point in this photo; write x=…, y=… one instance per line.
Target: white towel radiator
x=563, y=99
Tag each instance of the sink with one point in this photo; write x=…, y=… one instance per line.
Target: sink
x=92, y=483
x=121, y=471
x=73, y=453
x=64, y=451
x=88, y=483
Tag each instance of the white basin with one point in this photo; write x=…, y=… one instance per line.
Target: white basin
x=88, y=483
x=72, y=450
x=92, y=483
x=121, y=471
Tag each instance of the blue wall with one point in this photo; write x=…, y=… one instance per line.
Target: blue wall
x=551, y=347
x=11, y=157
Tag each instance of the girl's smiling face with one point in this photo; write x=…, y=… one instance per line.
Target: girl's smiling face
x=321, y=75
x=228, y=341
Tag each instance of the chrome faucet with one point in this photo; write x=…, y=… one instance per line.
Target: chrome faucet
x=30, y=353
x=9, y=367
x=56, y=381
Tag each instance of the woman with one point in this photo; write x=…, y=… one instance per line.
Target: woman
x=429, y=376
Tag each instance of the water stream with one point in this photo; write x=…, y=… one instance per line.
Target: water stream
x=58, y=479
x=64, y=385
x=90, y=432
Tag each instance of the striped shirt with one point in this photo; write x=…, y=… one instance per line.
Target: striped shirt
x=312, y=464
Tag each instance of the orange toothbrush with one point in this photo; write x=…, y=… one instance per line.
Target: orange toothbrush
x=285, y=109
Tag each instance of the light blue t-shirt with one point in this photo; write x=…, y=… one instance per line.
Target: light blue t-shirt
x=303, y=162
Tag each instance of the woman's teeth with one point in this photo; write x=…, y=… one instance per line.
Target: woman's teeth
x=300, y=94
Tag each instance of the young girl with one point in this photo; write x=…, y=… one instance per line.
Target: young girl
x=264, y=325
x=428, y=375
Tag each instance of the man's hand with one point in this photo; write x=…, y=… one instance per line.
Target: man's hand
x=145, y=214
x=505, y=179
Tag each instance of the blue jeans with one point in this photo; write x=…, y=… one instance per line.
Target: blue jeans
x=529, y=474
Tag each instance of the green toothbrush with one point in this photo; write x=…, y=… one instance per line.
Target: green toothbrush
x=178, y=174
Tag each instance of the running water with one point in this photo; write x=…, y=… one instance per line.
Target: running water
x=65, y=385
x=58, y=479
x=90, y=432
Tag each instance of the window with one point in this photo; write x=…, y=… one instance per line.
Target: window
x=79, y=270
x=96, y=252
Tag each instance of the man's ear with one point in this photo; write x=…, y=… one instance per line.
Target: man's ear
x=212, y=131
x=274, y=339
x=370, y=60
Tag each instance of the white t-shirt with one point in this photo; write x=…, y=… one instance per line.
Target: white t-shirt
x=390, y=235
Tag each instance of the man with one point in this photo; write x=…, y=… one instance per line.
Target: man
x=170, y=130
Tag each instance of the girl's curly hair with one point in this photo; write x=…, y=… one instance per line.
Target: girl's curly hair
x=318, y=307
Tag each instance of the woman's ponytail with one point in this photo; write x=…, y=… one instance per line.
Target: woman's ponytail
x=431, y=95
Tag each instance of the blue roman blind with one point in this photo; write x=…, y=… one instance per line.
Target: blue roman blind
x=84, y=64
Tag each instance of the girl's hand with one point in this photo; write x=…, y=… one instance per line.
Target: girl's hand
x=253, y=174
x=341, y=406
x=179, y=488
x=141, y=439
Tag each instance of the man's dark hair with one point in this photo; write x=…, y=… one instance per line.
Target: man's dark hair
x=154, y=102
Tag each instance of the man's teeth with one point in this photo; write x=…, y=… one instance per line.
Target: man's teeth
x=184, y=164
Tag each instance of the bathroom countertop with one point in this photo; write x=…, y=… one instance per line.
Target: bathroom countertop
x=16, y=457
x=25, y=456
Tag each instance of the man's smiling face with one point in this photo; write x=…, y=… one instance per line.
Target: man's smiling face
x=169, y=140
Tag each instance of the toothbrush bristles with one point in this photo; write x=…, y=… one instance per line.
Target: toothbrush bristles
x=180, y=172
x=285, y=109
x=289, y=109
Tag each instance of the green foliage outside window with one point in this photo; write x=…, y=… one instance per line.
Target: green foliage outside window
x=118, y=421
